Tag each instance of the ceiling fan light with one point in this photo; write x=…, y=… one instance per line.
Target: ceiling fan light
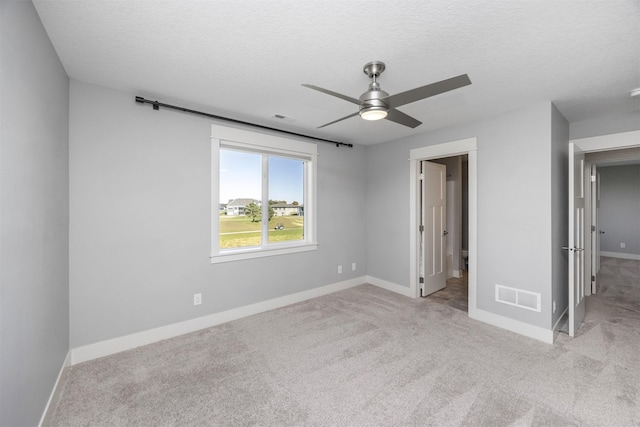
x=373, y=113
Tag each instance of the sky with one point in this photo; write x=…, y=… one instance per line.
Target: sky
x=240, y=177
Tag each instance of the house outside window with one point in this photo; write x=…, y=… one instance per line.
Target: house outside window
x=282, y=209
x=237, y=206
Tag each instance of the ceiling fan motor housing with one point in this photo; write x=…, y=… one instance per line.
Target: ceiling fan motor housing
x=372, y=100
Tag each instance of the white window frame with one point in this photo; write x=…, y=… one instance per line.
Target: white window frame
x=240, y=139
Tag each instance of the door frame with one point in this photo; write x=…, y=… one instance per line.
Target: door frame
x=467, y=146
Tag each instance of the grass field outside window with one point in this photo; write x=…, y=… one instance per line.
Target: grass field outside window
x=240, y=232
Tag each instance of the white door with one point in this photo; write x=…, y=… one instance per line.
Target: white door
x=576, y=238
x=433, y=227
x=595, y=227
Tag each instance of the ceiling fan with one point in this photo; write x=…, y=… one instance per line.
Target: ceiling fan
x=376, y=104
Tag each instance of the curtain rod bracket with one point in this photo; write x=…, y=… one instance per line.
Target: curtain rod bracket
x=156, y=106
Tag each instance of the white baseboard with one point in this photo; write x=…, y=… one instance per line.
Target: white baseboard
x=531, y=331
x=620, y=255
x=390, y=286
x=128, y=342
x=45, y=420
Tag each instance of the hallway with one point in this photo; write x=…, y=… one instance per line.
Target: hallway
x=455, y=295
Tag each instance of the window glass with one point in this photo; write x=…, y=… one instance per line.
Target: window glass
x=286, y=199
x=240, y=192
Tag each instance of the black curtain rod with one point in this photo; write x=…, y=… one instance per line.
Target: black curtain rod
x=157, y=105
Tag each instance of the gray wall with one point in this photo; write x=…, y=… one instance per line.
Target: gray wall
x=34, y=217
x=515, y=211
x=140, y=184
x=606, y=125
x=620, y=208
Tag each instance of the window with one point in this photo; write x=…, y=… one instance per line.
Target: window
x=263, y=195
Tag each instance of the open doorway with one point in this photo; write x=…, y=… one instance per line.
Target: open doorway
x=462, y=266
x=613, y=206
x=596, y=152
x=455, y=293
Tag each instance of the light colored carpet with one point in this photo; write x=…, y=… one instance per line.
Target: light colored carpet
x=364, y=357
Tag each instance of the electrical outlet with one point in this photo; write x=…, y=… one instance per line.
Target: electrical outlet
x=197, y=299
x=339, y=269
x=623, y=245
x=353, y=266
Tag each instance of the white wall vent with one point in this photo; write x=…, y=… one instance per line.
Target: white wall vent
x=518, y=297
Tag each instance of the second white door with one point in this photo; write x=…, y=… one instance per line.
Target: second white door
x=595, y=227
x=576, y=238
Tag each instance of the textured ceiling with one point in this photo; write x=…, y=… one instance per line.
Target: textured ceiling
x=247, y=59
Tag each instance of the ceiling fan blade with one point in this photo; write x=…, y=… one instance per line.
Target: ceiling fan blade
x=332, y=93
x=402, y=118
x=432, y=89
x=339, y=120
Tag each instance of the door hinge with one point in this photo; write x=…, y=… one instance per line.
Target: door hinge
x=593, y=178
x=422, y=280
x=593, y=278
x=593, y=228
x=421, y=177
x=421, y=228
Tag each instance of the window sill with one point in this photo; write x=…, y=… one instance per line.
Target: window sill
x=243, y=254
